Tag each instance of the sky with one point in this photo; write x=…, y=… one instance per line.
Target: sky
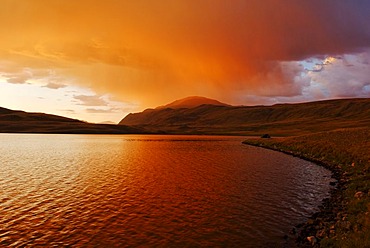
x=99, y=60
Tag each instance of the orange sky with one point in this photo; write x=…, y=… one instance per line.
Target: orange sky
x=147, y=53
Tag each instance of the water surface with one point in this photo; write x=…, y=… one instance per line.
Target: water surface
x=151, y=191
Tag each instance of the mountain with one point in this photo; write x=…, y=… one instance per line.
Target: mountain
x=15, y=121
x=192, y=102
x=278, y=120
x=197, y=115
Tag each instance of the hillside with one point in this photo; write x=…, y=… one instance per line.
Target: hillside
x=192, y=102
x=278, y=120
x=12, y=121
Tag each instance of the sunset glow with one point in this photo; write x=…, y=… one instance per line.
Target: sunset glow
x=100, y=60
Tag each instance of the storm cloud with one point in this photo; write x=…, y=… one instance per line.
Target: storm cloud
x=156, y=51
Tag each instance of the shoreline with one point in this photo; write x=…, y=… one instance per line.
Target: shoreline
x=343, y=219
x=309, y=228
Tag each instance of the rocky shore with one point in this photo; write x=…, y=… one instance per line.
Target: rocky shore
x=343, y=219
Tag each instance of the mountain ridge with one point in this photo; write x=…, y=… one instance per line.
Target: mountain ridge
x=191, y=102
x=17, y=121
x=289, y=119
x=279, y=119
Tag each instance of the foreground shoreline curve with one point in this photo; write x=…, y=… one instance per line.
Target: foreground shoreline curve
x=343, y=219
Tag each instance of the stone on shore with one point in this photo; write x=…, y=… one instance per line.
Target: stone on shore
x=265, y=136
x=312, y=240
x=359, y=194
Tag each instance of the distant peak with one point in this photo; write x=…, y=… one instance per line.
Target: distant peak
x=192, y=102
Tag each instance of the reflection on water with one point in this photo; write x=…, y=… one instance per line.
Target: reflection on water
x=117, y=191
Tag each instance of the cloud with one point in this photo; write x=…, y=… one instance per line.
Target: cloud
x=19, y=79
x=91, y=100
x=20, y=74
x=345, y=76
x=14, y=73
x=55, y=86
x=69, y=111
x=101, y=111
x=155, y=51
x=104, y=103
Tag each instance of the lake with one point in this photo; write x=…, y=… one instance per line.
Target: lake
x=151, y=191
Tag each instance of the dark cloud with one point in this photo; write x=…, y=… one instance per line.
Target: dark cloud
x=338, y=79
x=155, y=51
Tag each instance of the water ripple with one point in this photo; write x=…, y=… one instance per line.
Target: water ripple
x=151, y=191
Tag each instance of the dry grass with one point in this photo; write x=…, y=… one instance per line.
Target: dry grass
x=347, y=152
x=277, y=120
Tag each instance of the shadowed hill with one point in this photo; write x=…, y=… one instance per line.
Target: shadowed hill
x=280, y=119
x=12, y=121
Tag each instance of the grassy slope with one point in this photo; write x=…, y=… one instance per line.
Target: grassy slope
x=22, y=122
x=347, y=153
x=278, y=120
